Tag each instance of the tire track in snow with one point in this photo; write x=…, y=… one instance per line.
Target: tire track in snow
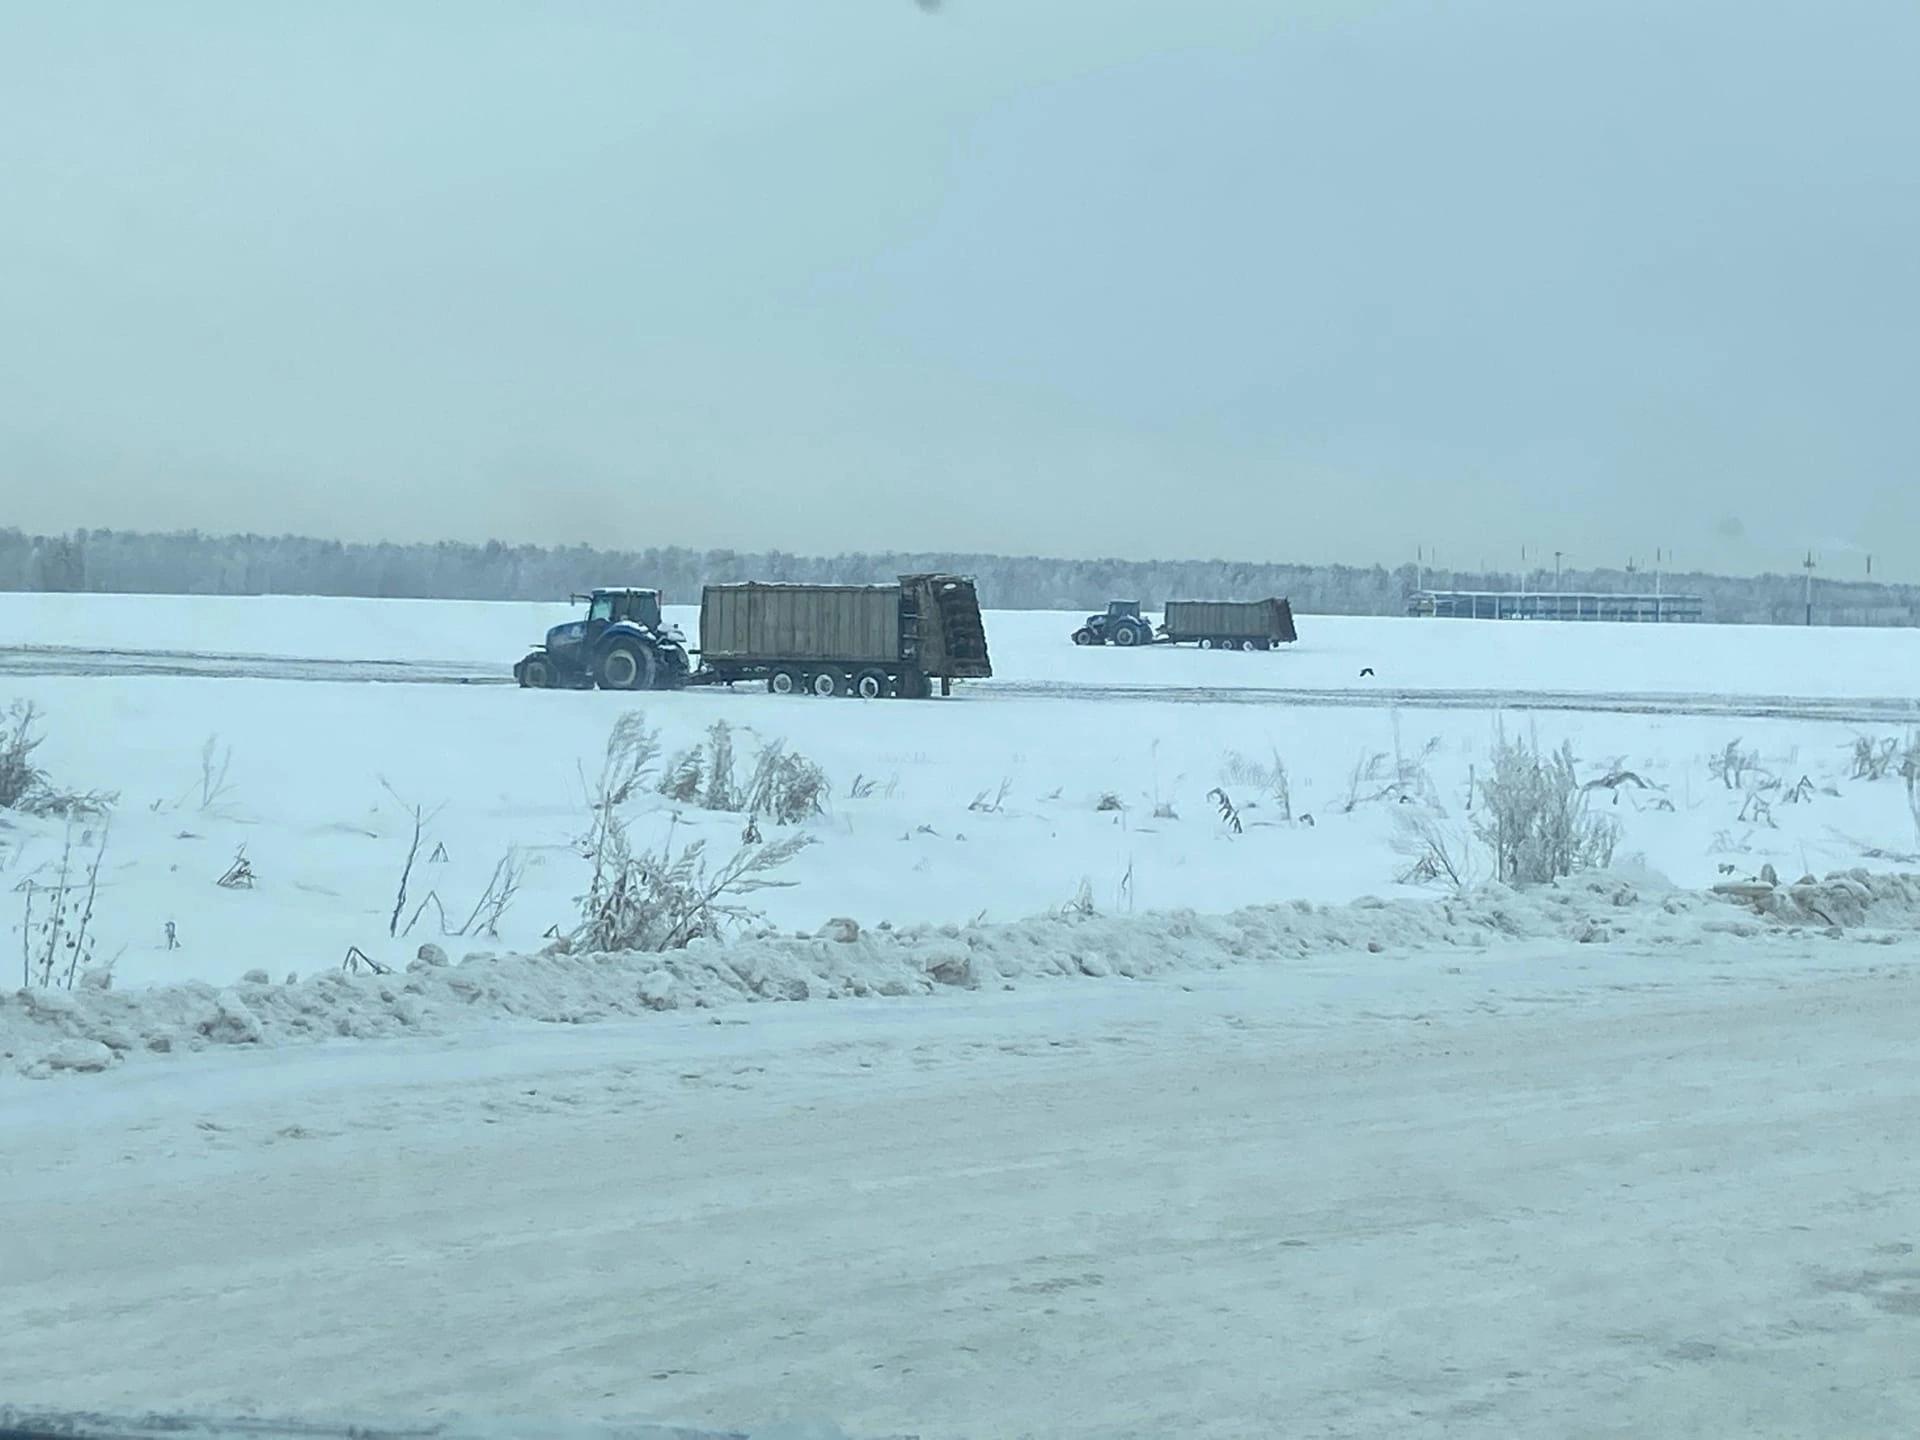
x=60, y=660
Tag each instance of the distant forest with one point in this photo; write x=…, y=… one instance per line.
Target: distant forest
x=190, y=563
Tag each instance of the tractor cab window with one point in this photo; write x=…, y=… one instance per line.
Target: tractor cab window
x=601, y=609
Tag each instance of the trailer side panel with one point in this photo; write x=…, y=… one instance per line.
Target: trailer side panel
x=844, y=624
x=1270, y=620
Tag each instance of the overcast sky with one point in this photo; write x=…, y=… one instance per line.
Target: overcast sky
x=1280, y=280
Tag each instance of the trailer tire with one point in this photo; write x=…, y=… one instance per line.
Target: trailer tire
x=1248, y=645
x=1126, y=635
x=1083, y=636
x=1206, y=642
x=535, y=674
x=872, y=685
x=783, y=682
x=827, y=682
x=625, y=666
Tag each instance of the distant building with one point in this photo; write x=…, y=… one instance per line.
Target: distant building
x=1554, y=605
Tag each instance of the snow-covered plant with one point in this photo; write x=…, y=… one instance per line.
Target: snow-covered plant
x=631, y=750
x=685, y=776
x=1534, y=816
x=784, y=787
x=1436, y=853
x=721, y=793
x=1404, y=781
x=660, y=900
x=1267, y=778
x=214, y=763
x=20, y=778
x=1872, y=759
x=1731, y=765
x=24, y=786
x=56, y=936
x=1910, y=772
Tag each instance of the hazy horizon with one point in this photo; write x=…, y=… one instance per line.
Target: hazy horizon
x=1314, y=285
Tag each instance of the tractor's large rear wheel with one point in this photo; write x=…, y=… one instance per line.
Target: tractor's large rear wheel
x=625, y=666
x=1126, y=635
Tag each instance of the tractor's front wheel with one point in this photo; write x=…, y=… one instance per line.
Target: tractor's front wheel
x=626, y=666
x=1083, y=636
x=534, y=673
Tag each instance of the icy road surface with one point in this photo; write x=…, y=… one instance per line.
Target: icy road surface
x=1543, y=1192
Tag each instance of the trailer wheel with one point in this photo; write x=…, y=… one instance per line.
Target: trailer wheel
x=1126, y=635
x=1248, y=645
x=783, y=682
x=872, y=685
x=827, y=682
x=626, y=667
x=535, y=674
x=1083, y=636
x=1206, y=642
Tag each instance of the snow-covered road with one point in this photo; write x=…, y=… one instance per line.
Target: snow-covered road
x=1583, y=1194
x=50, y=660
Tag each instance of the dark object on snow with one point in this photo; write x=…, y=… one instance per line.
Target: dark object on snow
x=239, y=875
x=1212, y=624
x=872, y=641
x=869, y=641
x=620, y=645
x=1365, y=670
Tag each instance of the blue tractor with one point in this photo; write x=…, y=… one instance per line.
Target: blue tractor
x=621, y=645
x=1123, y=624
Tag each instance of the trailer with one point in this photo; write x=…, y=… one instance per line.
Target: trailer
x=1229, y=624
x=866, y=640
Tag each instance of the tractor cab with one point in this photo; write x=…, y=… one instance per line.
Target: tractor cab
x=612, y=607
x=1122, y=610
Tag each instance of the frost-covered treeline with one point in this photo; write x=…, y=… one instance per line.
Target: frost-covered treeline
x=192, y=563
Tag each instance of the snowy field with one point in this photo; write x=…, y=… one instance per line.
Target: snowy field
x=1032, y=648
x=989, y=806
x=1132, y=1113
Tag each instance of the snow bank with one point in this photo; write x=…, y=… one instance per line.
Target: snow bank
x=47, y=1031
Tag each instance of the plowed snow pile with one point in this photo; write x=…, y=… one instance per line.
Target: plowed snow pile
x=42, y=1031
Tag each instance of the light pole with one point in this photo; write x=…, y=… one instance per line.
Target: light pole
x=1807, y=565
